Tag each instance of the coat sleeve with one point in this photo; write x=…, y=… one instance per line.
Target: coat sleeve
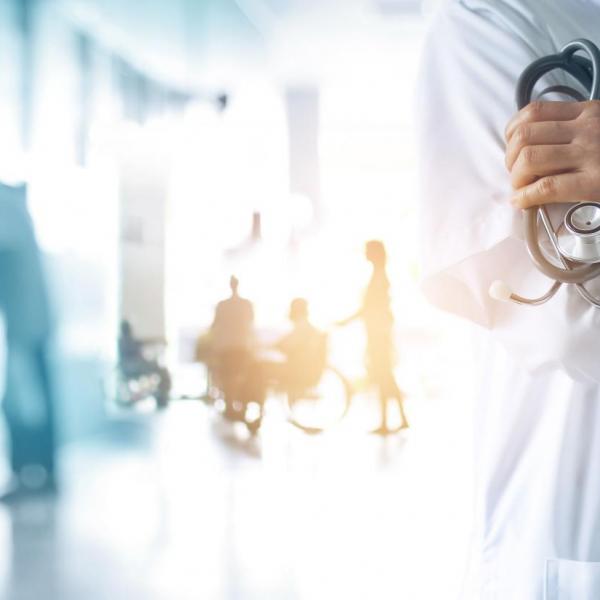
x=471, y=235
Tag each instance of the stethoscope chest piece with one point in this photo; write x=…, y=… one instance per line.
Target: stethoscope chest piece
x=579, y=240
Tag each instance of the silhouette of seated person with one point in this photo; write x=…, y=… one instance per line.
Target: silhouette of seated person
x=304, y=349
x=304, y=356
x=230, y=345
x=133, y=363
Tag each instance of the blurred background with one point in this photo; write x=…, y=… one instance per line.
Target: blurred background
x=165, y=146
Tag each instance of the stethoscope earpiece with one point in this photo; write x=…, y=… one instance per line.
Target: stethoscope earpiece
x=499, y=290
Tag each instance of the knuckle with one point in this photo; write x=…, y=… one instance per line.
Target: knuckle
x=523, y=133
x=534, y=110
x=524, y=198
x=519, y=201
x=528, y=156
x=515, y=180
x=547, y=186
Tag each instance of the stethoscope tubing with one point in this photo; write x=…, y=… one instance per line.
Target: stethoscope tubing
x=589, y=77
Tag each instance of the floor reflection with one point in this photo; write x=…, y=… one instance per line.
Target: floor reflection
x=183, y=506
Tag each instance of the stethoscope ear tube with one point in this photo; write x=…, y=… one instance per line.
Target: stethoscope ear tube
x=585, y=70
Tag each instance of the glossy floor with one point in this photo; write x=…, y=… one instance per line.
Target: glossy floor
x=181, y=506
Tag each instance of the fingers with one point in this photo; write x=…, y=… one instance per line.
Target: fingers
x=534, y=162
x=537, y=134
x=537, y=112
x=551, y=189
x=553, y=152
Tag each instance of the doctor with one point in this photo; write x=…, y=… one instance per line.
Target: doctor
x=537, y=522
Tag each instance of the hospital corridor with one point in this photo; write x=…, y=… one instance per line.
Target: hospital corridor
x=299, y=300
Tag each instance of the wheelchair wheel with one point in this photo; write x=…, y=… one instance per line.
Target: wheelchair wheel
x=129, y=391
x=322, y=406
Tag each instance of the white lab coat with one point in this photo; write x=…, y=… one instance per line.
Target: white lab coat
x=537, y=530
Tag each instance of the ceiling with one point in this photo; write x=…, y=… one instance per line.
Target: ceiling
x=215, y=42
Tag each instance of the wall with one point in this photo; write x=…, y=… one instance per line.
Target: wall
x=143, y=193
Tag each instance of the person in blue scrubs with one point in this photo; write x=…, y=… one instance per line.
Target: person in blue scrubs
x=28, y=396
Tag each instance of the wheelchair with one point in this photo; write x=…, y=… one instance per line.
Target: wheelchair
x=142, y=379
x=313, y=402
x=133, y=388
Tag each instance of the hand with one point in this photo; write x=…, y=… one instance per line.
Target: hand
x=553, y=153
x=344, y=322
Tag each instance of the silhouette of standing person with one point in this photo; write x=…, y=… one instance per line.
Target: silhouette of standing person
x=232, y=344
x=376, y=314
x=30, y=387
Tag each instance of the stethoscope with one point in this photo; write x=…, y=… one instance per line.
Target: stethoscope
x=572, y=252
